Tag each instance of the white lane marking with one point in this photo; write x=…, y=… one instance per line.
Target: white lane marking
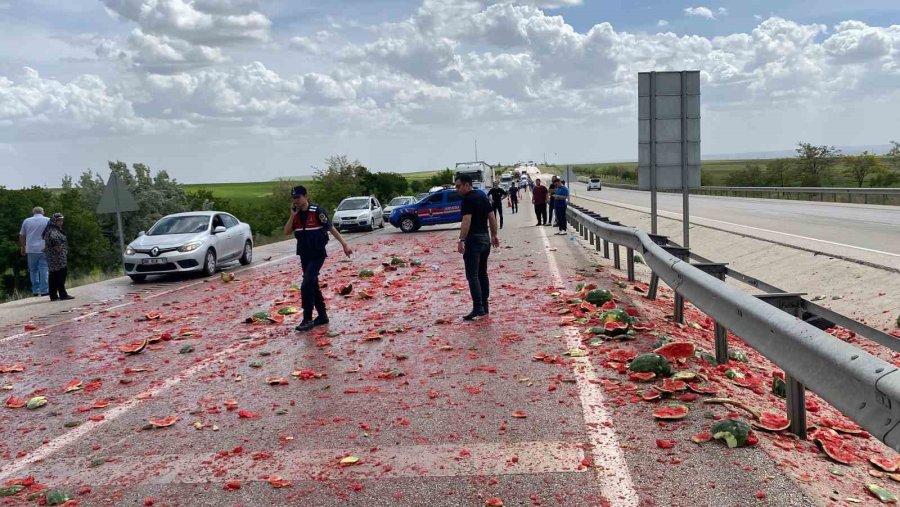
x=439, y=460
x=63, y=441
x=122, y=305
x=678, y=217
x=615, y=480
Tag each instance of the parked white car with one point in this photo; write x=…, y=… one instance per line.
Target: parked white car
x=358, y=213
x=402, y=200
x=594, y=184
x=186, y=242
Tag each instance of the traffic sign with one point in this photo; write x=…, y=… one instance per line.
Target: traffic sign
x=116, y=199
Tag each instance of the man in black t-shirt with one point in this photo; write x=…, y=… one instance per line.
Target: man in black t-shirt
x=476, y=235
x=514, y=197
x=497, y=194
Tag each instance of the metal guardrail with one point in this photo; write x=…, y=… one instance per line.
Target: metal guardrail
x=888, y=195
x=864, y=387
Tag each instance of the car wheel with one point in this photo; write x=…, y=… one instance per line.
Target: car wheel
x=372, y=225
x=408, y=224
x=137, y=278
x=247, y=257
x=209, y=265
x=381, y=225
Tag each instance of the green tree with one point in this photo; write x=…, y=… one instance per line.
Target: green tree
x=778, y=172
x=90, y=250
x=860, y=166
x=340, y=178
x=17, y=206
x=750, y=176
x=814, y=163
x=893, y=155
x=385, y=186
x=439, y=178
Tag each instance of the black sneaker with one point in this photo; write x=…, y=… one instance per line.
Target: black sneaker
x=66, y=297
x=320, y=321
x=306, y=325
x=474, y=315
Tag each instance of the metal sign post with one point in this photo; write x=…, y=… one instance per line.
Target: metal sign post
x=116, y=199
x=669, y=138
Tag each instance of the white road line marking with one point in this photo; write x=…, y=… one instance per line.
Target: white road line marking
x=439, y=460
x=678, y=217
x=615, y=480
x=152, y=296
x=74, y=435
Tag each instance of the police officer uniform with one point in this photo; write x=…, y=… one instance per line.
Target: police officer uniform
x=311, y=231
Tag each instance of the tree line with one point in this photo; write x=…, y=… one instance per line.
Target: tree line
x=821, y=166
x=93, y=238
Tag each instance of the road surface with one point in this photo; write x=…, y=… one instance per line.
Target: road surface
x=866, y=232
x=522, y=408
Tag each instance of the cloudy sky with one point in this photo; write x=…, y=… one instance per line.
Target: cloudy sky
x=250, y=90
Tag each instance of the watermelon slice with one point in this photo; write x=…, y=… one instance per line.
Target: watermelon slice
x=347, y=290
x=152, y=316
x=838, y=452
x=135, y=347
x=13, y=402
x=671, y=412
x=74, y=385
x=670, y=386
x=842, y=426
x=609, y=305
x=164, y=422
x=771, y=421
x=697, y=388
x=676, y=350
x=643, y=326
x=641, y=376
x=887, y=464
x=13, y=368
x=702, y=437
x=622, y=356
x=685, y=375
x=651, y=395
x=615, y=328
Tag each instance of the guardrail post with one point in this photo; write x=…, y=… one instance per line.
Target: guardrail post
x=791, y=302
x=591, y=238
x=629, y=256
x=654, y=278
x=717, y=269
x=683, y=254
x=617, y=260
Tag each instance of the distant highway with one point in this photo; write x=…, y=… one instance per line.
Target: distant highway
x=871, y=231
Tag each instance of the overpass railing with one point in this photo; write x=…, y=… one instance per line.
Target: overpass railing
x=888, y=196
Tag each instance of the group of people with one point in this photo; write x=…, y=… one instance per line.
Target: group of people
x=482, y=217
x=43, y=242
x=557, y=197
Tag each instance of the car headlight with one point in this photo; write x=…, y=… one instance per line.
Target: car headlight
x=129, y=250
x=190, y=247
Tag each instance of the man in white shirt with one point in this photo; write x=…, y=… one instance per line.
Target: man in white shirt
x=31, y=245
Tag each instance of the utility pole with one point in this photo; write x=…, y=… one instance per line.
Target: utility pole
x=476, y=149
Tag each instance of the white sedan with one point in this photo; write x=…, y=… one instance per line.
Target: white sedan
x=185, y=242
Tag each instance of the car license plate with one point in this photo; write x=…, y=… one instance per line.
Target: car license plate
x=158, y=260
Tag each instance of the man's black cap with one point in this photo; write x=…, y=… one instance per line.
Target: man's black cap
x=298, y=191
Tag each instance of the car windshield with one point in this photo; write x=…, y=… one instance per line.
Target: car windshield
x=399, y=201
x=354, y=204
x=595, y=180
x=190, y=224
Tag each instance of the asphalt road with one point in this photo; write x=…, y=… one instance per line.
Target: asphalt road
x=430, y=409
x=869, y=232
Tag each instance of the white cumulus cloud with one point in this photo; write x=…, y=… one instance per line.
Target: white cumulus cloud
x=703, y=12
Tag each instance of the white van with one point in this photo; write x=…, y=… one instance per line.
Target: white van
x=594, y=184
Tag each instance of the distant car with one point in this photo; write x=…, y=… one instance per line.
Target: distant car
x=186, y=242
x=358, y=213
x=442, y=207
x=594, y=184
x=437, y=188
x=402, y=200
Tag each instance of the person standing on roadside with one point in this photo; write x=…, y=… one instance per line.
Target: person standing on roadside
x=551, y=201
x=562, y=204
x=497, y=194
x=539, y=199
x=477, y=234
x=56, y=246
x=310, y=225
x=31, y=246
x=514, y=197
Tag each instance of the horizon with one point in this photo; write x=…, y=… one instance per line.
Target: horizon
x=206, y=89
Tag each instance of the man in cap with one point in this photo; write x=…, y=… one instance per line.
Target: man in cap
x=310, y=225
